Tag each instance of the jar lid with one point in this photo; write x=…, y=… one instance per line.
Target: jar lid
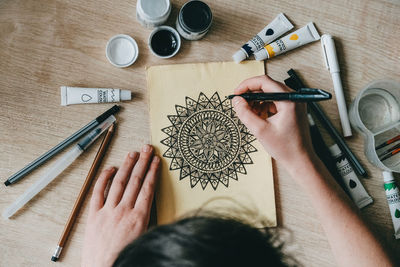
x=196, y=16
x=122, y=50
x=153, y=10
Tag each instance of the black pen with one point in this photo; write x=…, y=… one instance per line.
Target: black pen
x=295, y=83
x=58, y=148
x=302, y=95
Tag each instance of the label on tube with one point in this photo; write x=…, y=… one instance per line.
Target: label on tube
x=276, y=28
x=79, y=95
x=302, y=36
x=393, y=199
x=354, y=186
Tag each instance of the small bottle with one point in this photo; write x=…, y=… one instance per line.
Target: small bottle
x=194, y=20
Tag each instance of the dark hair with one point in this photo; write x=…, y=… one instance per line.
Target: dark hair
x=204, y=241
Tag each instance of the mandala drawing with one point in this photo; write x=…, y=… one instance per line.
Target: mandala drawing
x=207, y=142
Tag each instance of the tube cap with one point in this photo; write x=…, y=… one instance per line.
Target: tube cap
x=387, y=176
x=126, y=95
x=239, y=56
x=335, y=150
x=261, y=55
x=63, y=95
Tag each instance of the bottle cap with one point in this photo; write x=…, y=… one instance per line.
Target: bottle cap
x=261, y=55
x=122, y=50
x=387, y=176
x=239, y=56
x=126, y=95
x=152, y=13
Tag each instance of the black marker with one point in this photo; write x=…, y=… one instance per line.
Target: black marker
x=302, y=95
x=58, y=148
x=295, y=83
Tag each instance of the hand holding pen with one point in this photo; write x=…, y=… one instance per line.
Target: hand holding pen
x=303, y=95
x=272, y=131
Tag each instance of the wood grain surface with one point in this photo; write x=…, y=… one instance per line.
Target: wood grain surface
x=47, y=43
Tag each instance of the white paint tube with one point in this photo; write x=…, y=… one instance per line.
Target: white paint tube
x=276, y=28
x=355, y=188
x=79, y=95
x=302, y=36
x=393, y=198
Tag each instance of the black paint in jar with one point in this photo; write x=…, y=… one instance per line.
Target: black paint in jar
x=164, y=42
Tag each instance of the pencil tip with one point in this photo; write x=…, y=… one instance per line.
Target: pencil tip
x=7, y=183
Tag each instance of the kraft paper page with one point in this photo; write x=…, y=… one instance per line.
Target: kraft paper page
x=209, y=158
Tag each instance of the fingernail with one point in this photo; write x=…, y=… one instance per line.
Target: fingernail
x=156, y=159
x=146, y=148
x=133, y=154
x=236, y=100
x=110, y=168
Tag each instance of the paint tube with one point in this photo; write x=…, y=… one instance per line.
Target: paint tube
x=393, y=198
x=355, y=188
x=302, y=36
x=276, y=28
x=78, y=95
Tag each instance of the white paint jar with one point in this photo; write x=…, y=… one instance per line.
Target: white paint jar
x=152, y=13
x=194, y=20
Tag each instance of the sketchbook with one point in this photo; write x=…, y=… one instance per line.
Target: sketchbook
x=210, y=160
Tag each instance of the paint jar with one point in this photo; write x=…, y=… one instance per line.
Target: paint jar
x=122, y=50
x=375, y=113
x=164, y=42
x=194, y=20
x=152, y=13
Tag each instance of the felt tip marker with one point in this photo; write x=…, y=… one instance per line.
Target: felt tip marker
x=296, y=83
x=332, y=64
x=58, y=167
x=303, y=95
x=61, y=146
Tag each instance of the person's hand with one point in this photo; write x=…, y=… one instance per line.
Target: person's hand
x=281, y=127
x=116, y=220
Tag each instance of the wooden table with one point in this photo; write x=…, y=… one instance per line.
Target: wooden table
x=46, y=44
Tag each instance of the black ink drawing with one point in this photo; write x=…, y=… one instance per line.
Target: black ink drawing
x=207, y=142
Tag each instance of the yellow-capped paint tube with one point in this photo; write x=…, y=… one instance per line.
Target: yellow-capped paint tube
x=302, y=36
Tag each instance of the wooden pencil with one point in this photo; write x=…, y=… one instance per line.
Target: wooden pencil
x=82, y=194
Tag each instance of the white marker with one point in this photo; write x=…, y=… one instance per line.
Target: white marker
x=331, y=61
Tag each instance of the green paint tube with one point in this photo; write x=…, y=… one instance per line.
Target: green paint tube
x=393, y=198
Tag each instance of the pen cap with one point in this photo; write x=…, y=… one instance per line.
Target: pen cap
x=329, y=53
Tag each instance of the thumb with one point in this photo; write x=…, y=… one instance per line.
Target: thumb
x=254, y=123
